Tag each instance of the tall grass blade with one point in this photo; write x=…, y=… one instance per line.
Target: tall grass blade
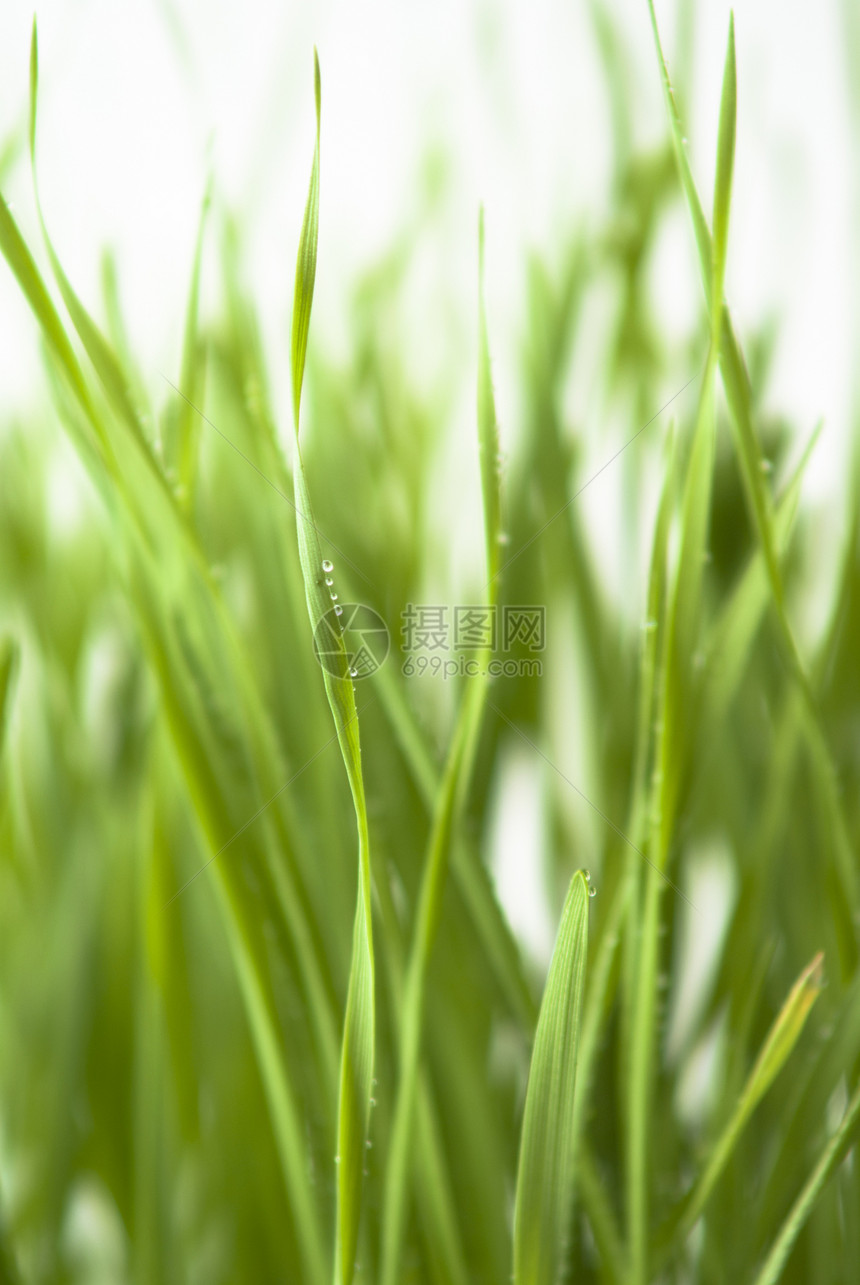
x=488, y=431
x=449, y=801
x=780, y=1041
x=357, y=1053
x=542, y=1208
x=831, y=1157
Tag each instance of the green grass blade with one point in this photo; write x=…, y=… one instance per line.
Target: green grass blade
x=182, y=452
x=780, y=1041
x=449, y=802
x=457, y=770
x=730, y=639
x=9, y=655
x=601, y=1217
x=678, y=687
x=735, y=378
x=488, y=432
x=306, y=266
x=723, y=183
x=831, y=1157
x=357, y=1053
x=20, y=260
x=543, y=1194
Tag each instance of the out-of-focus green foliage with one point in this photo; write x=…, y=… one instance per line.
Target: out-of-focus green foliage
x=191, y=1011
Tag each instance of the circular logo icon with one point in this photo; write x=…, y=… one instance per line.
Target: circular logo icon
x=351, y=640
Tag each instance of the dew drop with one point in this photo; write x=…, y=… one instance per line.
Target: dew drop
x=333, y=597
x=327, y=566
x=503, y=538
x=373, y=1102
x=338, y=609
x=329, y=581
x=592, y=891
x=353, y=673
x=337, y=1160
x=587, y=874
x=368, y=1143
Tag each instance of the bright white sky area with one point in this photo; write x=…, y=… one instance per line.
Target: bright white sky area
x=140, y=100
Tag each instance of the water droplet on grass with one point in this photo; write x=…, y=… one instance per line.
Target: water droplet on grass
x=338, y=609
x=327, y=566
x=333, y=597
x=329, y=581
x=592, y=891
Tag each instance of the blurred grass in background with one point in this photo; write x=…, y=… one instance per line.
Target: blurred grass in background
x=179, y=871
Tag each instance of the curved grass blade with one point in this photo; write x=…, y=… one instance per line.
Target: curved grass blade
x=9, y=657
x=449, y=802
x=356, y=1068
x=488, y=432
x=183, y=450
x=735, y=378
x=544, y=1177
x=737, y=389
x=780, y=1041
x=723, y=182
x=831, y=1157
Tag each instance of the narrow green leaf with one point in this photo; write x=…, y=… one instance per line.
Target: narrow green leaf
x=357, y=1052
x=723, y=183
x=544, y=1177
x=188, y=420
x=829, y=1161
x=9, y=654
x=599, y=1212
x=727, y=648
x=449, y=799
x=306, y=266
x=781, y=1039
x=735, y=378
x=488, y=432
x=449, y=802
x=20, y=260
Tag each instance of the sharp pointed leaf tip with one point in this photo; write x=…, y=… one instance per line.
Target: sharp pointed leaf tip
x=34, y=85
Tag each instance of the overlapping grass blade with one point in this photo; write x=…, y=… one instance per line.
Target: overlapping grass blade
x=678, y=687
x=356, y=1073
x=488, y=432
x=780, y=1041
x=448, y=805
x=544, y=1177
x=737, y=389
x=9, y=653
x=182, y=446
x=830, y=1159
